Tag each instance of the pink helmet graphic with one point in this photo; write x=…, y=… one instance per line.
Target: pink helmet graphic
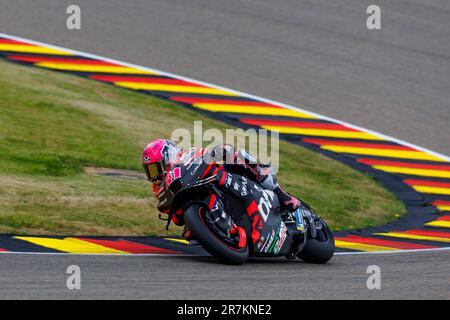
x=158, y=157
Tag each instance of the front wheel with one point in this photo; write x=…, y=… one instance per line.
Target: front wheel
x=194, y=218
x=321, y=248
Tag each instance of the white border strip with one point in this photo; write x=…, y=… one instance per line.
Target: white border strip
x=393, y=251
x=207, y=255
x=168, y=74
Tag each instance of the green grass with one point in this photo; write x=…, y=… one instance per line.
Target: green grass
x=52, y=125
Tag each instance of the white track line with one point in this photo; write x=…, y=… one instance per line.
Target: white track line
x=207, y=255
x=391, y=252
x=168, y=74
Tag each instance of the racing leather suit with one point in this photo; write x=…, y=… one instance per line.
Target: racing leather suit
x=241, y=163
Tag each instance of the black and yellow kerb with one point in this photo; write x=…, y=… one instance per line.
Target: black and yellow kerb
x=420, y=178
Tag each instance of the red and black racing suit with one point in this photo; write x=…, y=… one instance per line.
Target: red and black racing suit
x=241, y=163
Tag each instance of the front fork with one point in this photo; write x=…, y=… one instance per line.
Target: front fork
x=305, y=227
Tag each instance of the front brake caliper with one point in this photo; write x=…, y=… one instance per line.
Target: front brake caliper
x=309, y=215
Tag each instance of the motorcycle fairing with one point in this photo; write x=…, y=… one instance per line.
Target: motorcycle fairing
x=269, y=235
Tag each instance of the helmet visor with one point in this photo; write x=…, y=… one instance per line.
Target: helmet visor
x=154, y=171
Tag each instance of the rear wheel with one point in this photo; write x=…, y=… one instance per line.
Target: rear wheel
x=321, y=248
x=226, y=252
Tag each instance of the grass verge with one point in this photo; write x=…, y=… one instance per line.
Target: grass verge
x=52, y=125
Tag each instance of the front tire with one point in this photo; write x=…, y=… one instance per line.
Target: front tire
x=209, y=240
x=320, y=249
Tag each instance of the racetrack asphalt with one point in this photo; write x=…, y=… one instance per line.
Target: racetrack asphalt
x=312, y=53
x=315, y=54
x=423, y=275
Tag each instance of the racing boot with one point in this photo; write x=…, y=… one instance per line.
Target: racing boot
x=287, y=201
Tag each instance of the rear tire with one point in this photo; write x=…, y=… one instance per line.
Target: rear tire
x=211, y=242
x=316, y=251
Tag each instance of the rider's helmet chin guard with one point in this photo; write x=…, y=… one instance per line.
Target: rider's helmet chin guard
x=158, y=157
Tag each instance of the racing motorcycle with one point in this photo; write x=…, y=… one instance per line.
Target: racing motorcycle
x=233, y=217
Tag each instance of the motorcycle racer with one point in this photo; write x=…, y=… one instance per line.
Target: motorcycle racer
x=160, y=155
